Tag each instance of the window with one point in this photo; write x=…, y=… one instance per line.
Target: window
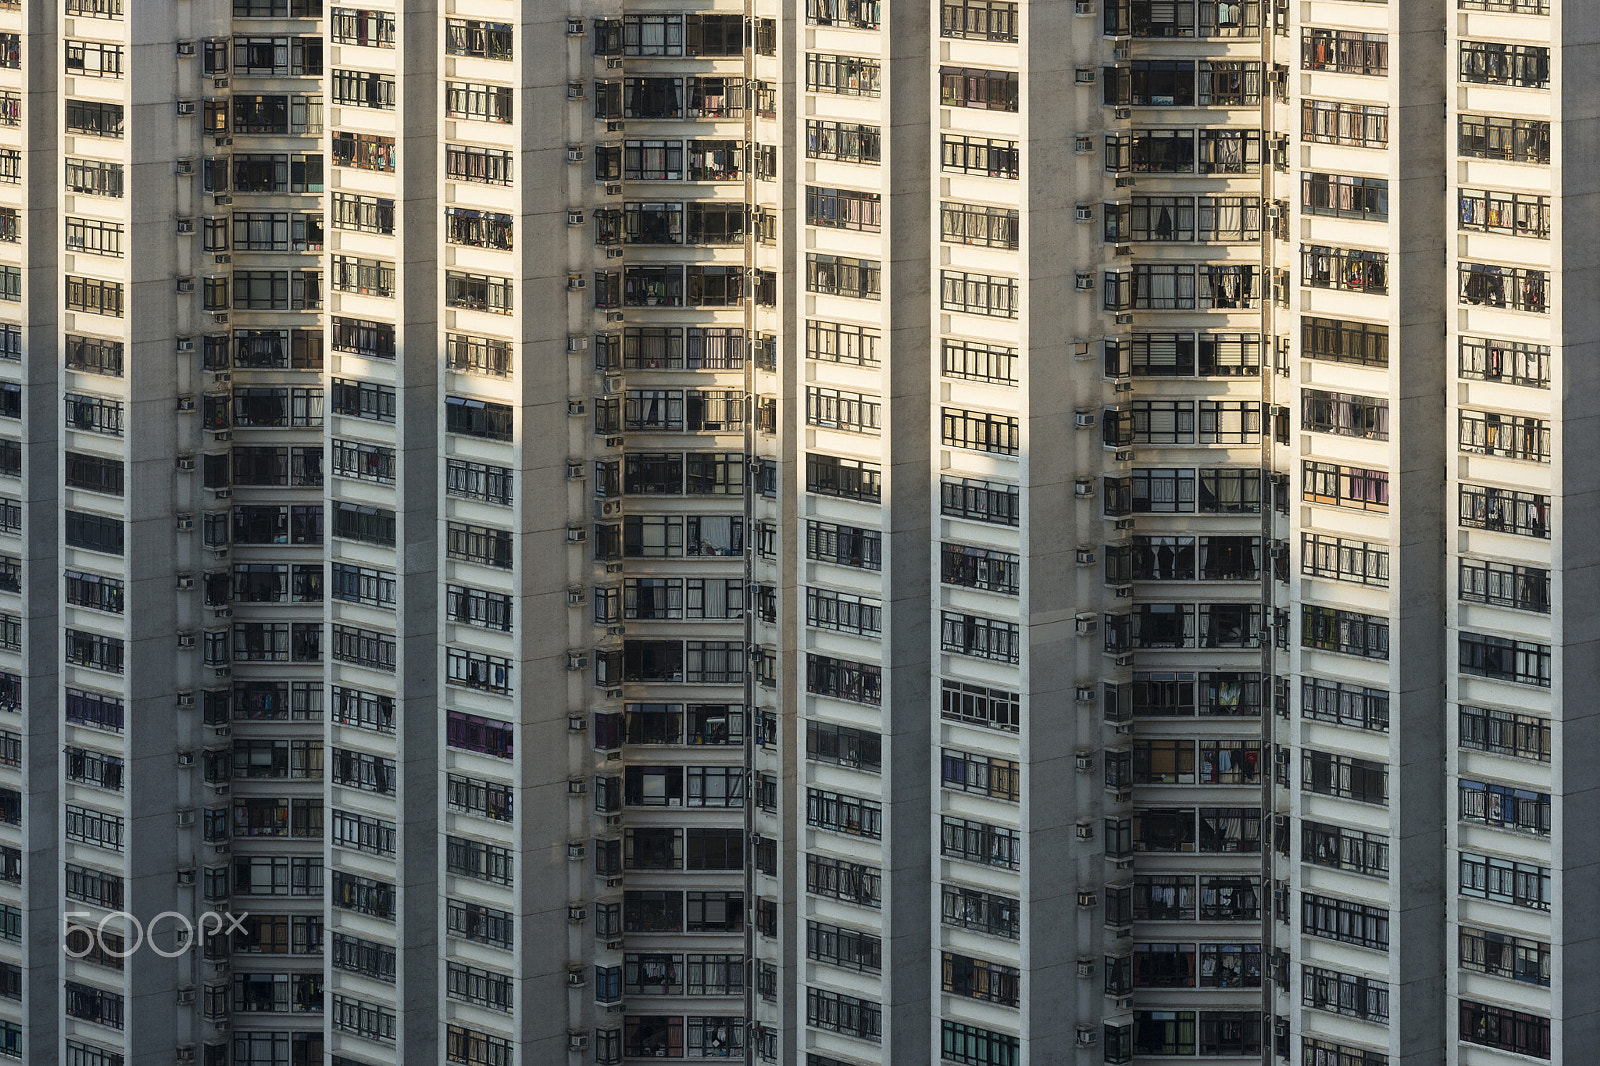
x=475, y=100
x=843, y=209
x=841, y=946
x=983, y=638
x=1344, y=704
x=1513, y=140
x=989, y=90
x=980, y=155
x=1521, y=736
x=984, y=501
x=1344, y=414
x=100, y=533
x=1524, y=514
x=472, y=1048
x=1339, y=122
x=1343, y=560
x=1345, y=921
x=93, y=296
x=987, y=775
x=1341, y=848
x=1511, y=288
x=845, y=142
x=1344, y=196
x=1353, y=995
x=852, y=412
x=1503, y=659
x=984, y=227
x=979, y=705
x=1338, y=341
x=980, y=431
x=841, y=75
x=1500, y=63
x=1352, y=270
x=980, y=842
x=1345, y=486
x=1504, y=881
x=1344, y=51
x=475, y=733
x=1516, y=214
x=831, y=475
x=94, y=118
x=479, y=544
x=486, y=166
x=978, y=294
x=478, y=292
x=1504, y=807
x=372, y=277
x=845, y=814
x=843, y=679
x=843, y=880
x=474, y=921
x=975, y=361
x=366, y=151
x=970, y=1045
x=477, y=860
x=92, y=472
x=1524, y=588
x=1504, y=955
x=1344, y=776
x=839, y=1013
x=475, y=37
x=834, y=275
x=1500, y=1027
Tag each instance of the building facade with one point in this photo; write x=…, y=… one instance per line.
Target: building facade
x=820, y=532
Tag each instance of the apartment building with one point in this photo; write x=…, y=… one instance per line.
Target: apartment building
x=833, y=532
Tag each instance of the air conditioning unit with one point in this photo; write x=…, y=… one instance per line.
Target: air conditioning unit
x=185, y=284
x=614, y=188
x=1084, y=281
x=577, y=723
x=185, y=225
x=1083, y=143
x=575, y=407
x=576, y=850
x=574, y=90
x=577, y=660
x=1086, y=623
x=186, y=875
x=577, y=1041
x=185, y=463
x=574, y=218
x=1085, y=760
x=575, y=28
x=1123, y=112
x=1087, y=897
x=185, y=344
x=223, y=494
x=576, y=343
x=186, y=699
x=1085, y=967
x=615, y=316
x=576, y=913
x=1083, y=488
x=183, y=1053
x=1083, y=419
x=185, y=48
x=185, y=817
x=185, y=757
x=576, y=282
x=186, y=640
x=1084, y=830
x=576, y=596
x=186, y=403
x=185, y=107
x=575, y=979
x=574, y=469
x=1088, y=1036
x=1083, y=75
x=577, y=534
x=610, y=509
x=185, y=581
x=184, y=166
x=1085, y=556
x=577, y=786
x=615, y=253
x=1084, y=7
x=219, y=83
x=1084, y=694
x=1083, y=213
x=574, y=153
x=185, y=522
x=186, y=995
